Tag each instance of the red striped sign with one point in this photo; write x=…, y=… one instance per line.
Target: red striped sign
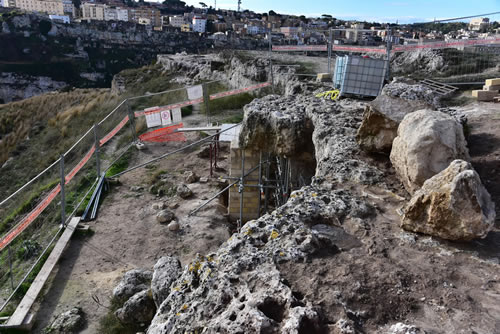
x=113, y=132
x=239, y=91
x=300, y=48
x=169, y=107
x=164, y=134
x=19, y=228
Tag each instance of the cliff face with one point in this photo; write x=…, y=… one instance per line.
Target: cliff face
x=89, y=54
x=15, y=87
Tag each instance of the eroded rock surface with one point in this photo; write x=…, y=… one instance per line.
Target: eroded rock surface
x=133, y=281
x=68, y=322
x=382, y=118
x=451, y=205
x=166, y=271
x=140, y=308
x=427, y=142
x=305, y=128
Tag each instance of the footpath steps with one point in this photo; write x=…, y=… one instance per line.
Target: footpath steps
x=21, y=318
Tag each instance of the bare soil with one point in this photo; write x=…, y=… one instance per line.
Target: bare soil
x=127, y=235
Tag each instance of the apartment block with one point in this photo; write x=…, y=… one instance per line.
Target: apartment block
x=143, y=14
x=93, y=11
x=176, y=21
x=51, y=7
x=115, y=14
x=479, y=24
x=199, y=24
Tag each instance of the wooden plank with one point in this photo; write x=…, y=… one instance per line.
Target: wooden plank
x=17, y=319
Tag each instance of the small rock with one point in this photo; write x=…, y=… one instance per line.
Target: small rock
x=138, y=309
x=165, y=216
x=158, y=206
x=132, y=282
x=203, y=179
x=174, y=226
x=184, y=192
x=190, y=177
x=136, y=188
x=71, y=321
x=173, y=205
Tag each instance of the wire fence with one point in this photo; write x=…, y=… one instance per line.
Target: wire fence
x=31, y=218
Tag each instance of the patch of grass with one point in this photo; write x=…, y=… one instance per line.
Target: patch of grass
x=120, y=165
x=186, y=111
x=26, y=206
x=233, y=119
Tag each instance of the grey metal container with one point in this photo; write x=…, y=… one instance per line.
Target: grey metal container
x=361, y=76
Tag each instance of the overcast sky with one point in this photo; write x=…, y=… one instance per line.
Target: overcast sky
x=369, y=10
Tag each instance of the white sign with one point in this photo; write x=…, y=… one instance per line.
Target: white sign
x=195, y=92
x=229, y=135
x=152, y=120
x=176, y=115
x=165, y=117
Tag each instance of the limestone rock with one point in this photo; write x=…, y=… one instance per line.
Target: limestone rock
x=68, y=322
x=158, y=206
x=173, y=226
x=133, y=281
x=166, y=271
x=451, y=205
x=140, y=308
x=165, y=216
x=184, y=192
x=382, y=118
x=427, y=142
x=190, y=177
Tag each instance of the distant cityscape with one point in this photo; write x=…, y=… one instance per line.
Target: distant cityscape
x=221, y=24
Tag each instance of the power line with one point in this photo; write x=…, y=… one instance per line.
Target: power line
x=459, y=18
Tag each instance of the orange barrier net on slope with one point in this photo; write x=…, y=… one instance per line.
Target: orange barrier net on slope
x=165, y=134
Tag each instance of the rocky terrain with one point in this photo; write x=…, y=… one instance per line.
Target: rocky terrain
x=336, y=257
x=396, y=232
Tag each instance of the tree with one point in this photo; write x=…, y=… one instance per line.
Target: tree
x=272, y=13
x=77, y=3
x=326, y=16
x=45, y=27
x=202, y=4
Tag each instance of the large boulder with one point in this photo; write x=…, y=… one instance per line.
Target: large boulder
x=71, y=321
x=184, y=192
x=166, y=271
x=381, y=119
x=133, y=281
x=452, y=205
x=139, y=309
x=427, y=142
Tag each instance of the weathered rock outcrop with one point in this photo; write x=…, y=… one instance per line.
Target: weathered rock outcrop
x=15, y=87
x=381, y=119
x=239, y=289
x=140, y=308
x=451, y=205
x=133, y=281
x=71, y=321
x=427, y=142
x=424, y=61
x=166, y=271
x=310, y=131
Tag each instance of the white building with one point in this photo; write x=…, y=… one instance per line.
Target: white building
x=115, y=14
x=61, y=18
x=176, y=21
x=68, y=7
x=255, y=30
x=199, y=24
x=479, y=24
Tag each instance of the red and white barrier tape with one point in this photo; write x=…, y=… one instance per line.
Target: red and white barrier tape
x=169, y=107
x=113, y=132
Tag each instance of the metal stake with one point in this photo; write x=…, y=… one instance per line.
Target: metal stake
x=260, y=181
x=241, y=189
x=330, y=51
x=131, y=118
x=271, y=60
x=63, y=197
x=206, y=102
x=266, y=191
x=389, y=48
x=10, y=271
x=97, y=146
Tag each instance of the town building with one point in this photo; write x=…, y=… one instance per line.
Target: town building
x=176, y=21
x=51, y=7
x=186, y=27
x=199, y=24
x=151, y=14
x=479, y=24
x=115, y=14
x=60, y=18
x=92, y=11
x=290, y=32
x=69, y=8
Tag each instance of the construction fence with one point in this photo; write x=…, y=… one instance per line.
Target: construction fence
x=32, y=217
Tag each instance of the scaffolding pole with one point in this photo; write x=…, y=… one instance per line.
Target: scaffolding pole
x=260, y=182
x=241, y=188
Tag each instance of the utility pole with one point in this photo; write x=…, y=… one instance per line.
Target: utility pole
x=239, y=5
x=389, y=48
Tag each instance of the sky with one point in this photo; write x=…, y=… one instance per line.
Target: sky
x=403, y=11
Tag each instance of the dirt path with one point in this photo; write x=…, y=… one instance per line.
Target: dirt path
x=127, y=235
